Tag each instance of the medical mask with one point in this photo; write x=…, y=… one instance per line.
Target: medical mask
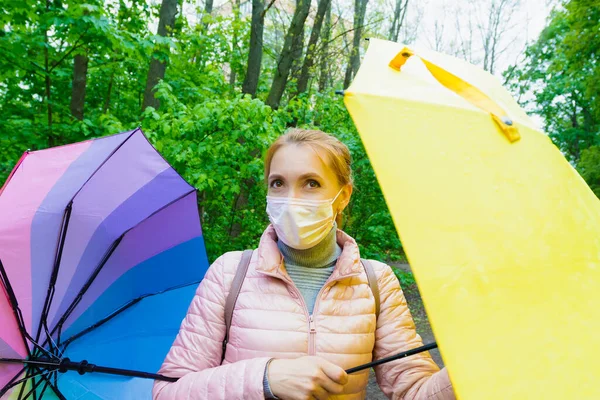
x=301, y=223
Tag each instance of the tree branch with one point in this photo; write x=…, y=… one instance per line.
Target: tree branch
x=353, y=29
x=267, y=9
x=22, y=67
x=75, y=47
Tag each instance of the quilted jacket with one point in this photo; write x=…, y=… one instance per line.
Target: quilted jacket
x=271, y=321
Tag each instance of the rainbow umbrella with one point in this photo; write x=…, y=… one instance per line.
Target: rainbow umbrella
x=101, y=250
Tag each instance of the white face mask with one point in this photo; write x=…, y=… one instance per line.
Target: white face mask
x=300, y=223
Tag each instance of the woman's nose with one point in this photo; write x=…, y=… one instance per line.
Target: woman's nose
x=293, y=193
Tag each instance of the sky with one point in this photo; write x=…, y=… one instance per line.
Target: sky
x=432, y=23
x=522, y=28
x=524, y=25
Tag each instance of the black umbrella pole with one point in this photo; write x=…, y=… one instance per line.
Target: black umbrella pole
x=398, y=356
x=85, y=367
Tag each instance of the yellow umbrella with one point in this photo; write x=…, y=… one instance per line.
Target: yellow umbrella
x=502, y=233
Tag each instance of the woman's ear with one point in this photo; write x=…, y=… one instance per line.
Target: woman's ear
x=343, y=201
x=344, y=198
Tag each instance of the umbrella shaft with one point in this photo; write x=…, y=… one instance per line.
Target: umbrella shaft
x=121, y=372
x=411, y=352
x=85, y=367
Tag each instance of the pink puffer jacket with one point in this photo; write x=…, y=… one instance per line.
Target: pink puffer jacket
x=272, y=321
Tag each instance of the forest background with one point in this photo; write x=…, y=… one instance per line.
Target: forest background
x=212, y=84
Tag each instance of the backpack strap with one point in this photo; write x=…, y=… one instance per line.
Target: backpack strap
x=234, y=292
x=372, y=278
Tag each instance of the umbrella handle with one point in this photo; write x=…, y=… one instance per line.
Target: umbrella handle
x=464, y=90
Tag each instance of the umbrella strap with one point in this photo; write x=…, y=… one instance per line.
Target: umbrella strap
x=465, y=90
x=234, y=292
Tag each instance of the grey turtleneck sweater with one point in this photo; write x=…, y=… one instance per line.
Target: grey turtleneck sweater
x=309, y=269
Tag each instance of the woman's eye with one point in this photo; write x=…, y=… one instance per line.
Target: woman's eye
x=313, y=184
x=276, y=183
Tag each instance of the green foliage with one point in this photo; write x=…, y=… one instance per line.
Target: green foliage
x=589, y=168
x=210, y=133
x=213, y=135
x=406, y=279
x=216, y=144
x=562, y=71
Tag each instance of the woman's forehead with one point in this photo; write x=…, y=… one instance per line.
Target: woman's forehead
x=299, y=159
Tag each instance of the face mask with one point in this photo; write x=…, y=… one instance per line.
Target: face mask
x=300, y=223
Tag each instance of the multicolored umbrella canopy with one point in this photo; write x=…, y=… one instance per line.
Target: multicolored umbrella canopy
x=101, y=251
x=502, y=233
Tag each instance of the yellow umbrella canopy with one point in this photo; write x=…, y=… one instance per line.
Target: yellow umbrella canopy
x=502, y=233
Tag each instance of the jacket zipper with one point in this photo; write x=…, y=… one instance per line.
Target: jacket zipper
x=312, y=326
x=312, y=344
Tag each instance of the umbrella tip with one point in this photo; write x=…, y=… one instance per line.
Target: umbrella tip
x=340, y=92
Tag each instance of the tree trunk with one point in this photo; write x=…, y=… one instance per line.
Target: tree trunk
x=312, y=45
x=208, y=9
x=208, y=6
x=108, y=92
x=256, y=48
x=324, y=70
x=298, y=46
x=242, y=200
x=48, y=84
x=360, y=8
x=399, y=14
x=201, y=202
x=80, y=67
x=494, y=30
x=234, y=43
x=286, y=58
x=156, y=72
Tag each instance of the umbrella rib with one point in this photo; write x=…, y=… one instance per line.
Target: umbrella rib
x=61, y=243
x=35, y=384
x=14, y=304
x=47, y=381
x=120, y=310
x=14, y=170
x=55, y=389
x=84, y=289
x=27, y=377
x=105, y=161
x=54, y=276
x=104, y=260
x=9, y=384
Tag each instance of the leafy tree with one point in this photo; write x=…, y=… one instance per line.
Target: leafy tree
x=562, y=71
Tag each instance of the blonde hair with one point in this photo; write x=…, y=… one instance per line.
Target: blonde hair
x=337, y=153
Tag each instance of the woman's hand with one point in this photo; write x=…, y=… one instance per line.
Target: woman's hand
x=305, y=378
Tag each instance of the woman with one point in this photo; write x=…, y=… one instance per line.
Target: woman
x=305, y=312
